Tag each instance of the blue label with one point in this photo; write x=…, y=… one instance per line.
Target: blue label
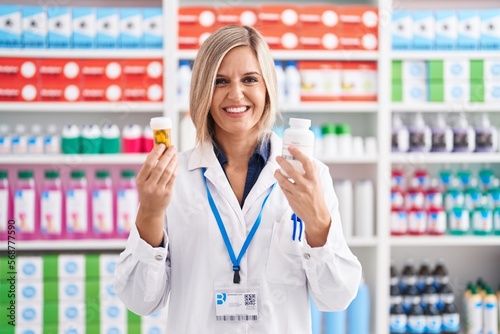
x=72, y=290
x=29, y=314
x=71, y=312
x=71, y=331
x=71, y=267
x=29, y=292
x=113, y=311
x=154, y=330
x=456, y=69
x=29, y=269
x=113, y=330
x=28, y=331
x=111, y=267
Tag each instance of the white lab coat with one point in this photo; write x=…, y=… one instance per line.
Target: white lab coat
x=183, y=272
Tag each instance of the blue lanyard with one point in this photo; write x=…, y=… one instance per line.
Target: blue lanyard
x=234, y=260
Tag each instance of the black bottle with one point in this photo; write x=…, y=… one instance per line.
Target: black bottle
x=408, y=275
x=416, y=317
x=398, y=318
x=445, y=293
x=409, y=297
x=450, y=316
x=424, y=272
x=433, y=319
x=440, y=274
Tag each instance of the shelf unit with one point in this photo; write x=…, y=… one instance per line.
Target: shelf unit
x=325, y=107
x=82, y=53
x=441, y=55
x=445, y=241
x=83, y=107
x=349, y=55
x=446, y=107
x=61, y=159
x=444, y=158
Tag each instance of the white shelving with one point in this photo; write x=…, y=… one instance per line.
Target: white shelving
x=444, y=158
x=441, y=55
x=352, y=160
x=440, y=241
x=362, y=242
x=326, y=107
x=446, y=107
x=72, y=159
x=68, y=245
x=345, y=55
x=83, y=53
x=93, y=107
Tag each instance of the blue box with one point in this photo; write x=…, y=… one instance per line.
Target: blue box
x=108, y=28
x=34, y=27
x=490, y=29
x=402, y=30
x=60, y=27
x=130, y=28
x=469, y=30
x=84, y=31
x=446, y=29
x=152, y=23
x=424, y=33
x=10, y=26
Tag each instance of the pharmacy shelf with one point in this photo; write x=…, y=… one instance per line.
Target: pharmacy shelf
x=83, y=53
x=438, y=241
x=444, y=158
x=344, y=55
x=443, y=55
x=325, y=107
x=351, y=160
x=69, y=245
x=445, y=107
x=72, y=159
x=362, y=241
x=115, y=107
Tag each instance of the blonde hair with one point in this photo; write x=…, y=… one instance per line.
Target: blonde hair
x=205, y=68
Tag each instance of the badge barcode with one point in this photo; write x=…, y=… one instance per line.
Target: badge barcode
x=249, y=299
x=236, y=317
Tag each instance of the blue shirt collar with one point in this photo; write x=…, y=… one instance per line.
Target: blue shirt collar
x=261, y=150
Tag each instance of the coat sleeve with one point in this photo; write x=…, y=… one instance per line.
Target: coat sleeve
x=333, y=272
x=142, y=275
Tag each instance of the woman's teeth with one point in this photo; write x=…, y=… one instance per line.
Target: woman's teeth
x=236, y=110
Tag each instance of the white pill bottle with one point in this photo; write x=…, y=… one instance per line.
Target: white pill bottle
x=300, y=136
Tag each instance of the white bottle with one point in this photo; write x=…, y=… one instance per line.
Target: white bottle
x=420, y=135
x=299, y=136
x=490, y=312
x=184, y=83
x=486, y=135
x=19, y=140
x=400, y=135
x=187, y=133
x=293, y=83
x=464, y=137
x=5, y=139
x=35, y=140
x=363, y=208
x=52, y=141
x=442, y=135
x=330, y=142
x=281, y=83
x=343, y=189
x=344, y=139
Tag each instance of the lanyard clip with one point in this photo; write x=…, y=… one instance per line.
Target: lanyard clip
x=296, y=220
x=236, y=278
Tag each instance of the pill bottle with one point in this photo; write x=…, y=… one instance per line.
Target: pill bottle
x=161, y=130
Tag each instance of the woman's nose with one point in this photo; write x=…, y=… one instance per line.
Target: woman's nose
x=235, y=92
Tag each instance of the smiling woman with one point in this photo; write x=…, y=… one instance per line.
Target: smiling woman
x=214, y=232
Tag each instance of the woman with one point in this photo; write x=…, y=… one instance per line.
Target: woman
x=221, y=242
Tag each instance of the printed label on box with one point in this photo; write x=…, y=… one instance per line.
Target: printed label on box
x=320, y=81
x=29, y=291
x=74, y=328
x=359, y=81
x=358, y=40
x=424, y=30
x=198, y=16
x=402, y=30
x=240, y=15
x=106, y=285
x=10, y=26
x=281, y=38
x=72, y=290
x=414, y=70
x=114, y=328
x=319, y=38
x=492, y=70
x=492, y=91
x=29, y=268
x=469, y=30
x=18, y=70
x=191, y=37
x=362, y=18
x=277, y=15
x=152, y=24
x=446, y=29
x=84, y=27
x=130, y=28
x=113, y=311
x=35, y=27
x=108, y=28
x=456, y=91
x=71, y=312
x=457, y=69
x=490, y=29
x=415, y=91
x=107, y=265
x=59, y=27
x=29, y=313
x=59, y=80
x=71, y=266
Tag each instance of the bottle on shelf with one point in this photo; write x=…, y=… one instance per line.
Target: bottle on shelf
x=110, y=139
x=454, y=197
x=433, y=319
x=434, y=195
x=35, y=140
x=293, y=83
x=424, y=272
x=486, y=177
x=436, y=221
x=102, y=205
x=25, y=207
x=473, y=311
x=52, y=140
x=440, y=274
x=450, y=315
x=496, y=220
x=465, y=177
x=482, y=219
x=400, y=135
x=408, y=275
x=398, y=318
x=70, y=139
x=91, y=139
x=344, y=139
x=51, y=206
x=358, y=312
x=280, y=83
x=363, y=198
x=19, y=140
x=5, y=204
x=458, y=221
x=131, y=138
x=429, y=294
x=493, y=193
x=486, y=135
x=343, y=189
x=445, y=176
x=126, y=203
x=184, y=83
x=147, y=139
x=415, y=196
x=5, y=139
x=464, y=136
x=77, y=206
x=420, y=134
x=473, y=195
x=330, y=142
x=416, y=317
x=442, y=135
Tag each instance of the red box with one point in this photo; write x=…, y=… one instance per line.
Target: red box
x=191, y=37
x=142, y=79
x=359, y=17
x=198, y=16
x=16, y=91
x=239, y=15
x=359, y=81
x=101, y=80
x=320, y=38
x=319, y=16
x=278, y=15
x=60, y=80
x=281, y=38
x=358, y=40
x=19, y=69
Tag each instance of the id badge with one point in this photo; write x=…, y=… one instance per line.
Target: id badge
x=237, y=302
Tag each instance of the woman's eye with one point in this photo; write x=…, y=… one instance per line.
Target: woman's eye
x=220, y=81
x=250, y=79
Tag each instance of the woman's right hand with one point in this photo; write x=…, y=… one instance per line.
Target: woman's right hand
x=155, y=180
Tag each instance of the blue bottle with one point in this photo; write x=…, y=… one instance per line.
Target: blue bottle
x=335, y=322
x=316, y=318
x=358, y=313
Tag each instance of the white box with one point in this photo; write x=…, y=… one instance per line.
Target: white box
x=490, y=29
x=107, y=293
x=491, y=70
x=153, y=328
x=130, y=28
x=72, y=290
x=59, y=27
x=492, y=92
x=456, y=91
x=456, y=69
x=72, y=328
x=107, y=264
x=108, y=28
x=10, y=26
x=71, y=266
x=34, y=27
x=402, y=30
x=113, y=311
x=415, y=91
x=71, y=312
x=29, y=291
x=424, y=30
x=469, y=30
x=152, y=25
x=29, y=313
x=113, y=328
x=84, y=27
x=29, y=329
x=30, y=268
x=446, y=29
x=414, y=70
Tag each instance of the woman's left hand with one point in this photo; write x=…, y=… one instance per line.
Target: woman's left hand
x=305, y=196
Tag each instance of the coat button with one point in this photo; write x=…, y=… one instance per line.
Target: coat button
x=159, y=257
x=307, y=256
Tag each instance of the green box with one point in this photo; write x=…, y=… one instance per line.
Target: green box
x=50, y=267
x=50, y=290
x=5, y=268
x=436, y=91
x=436, y=70
x=397, y=91
x=92, y=266
x=4, y=295
x=476, y=70
x=7, y=329
x=133, y=318
x=134, y=329
x=397, y=70
x=476, y=91
x=51, y=313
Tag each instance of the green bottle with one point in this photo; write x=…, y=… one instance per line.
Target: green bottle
x=453, y=196
x=464, y=176
x=496, y=221
x=486, y=177
x=445, y=177
x=482, y=219
x=458, y=221
x=473, y=195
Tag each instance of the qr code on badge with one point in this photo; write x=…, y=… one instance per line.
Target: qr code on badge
x=250, y=299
